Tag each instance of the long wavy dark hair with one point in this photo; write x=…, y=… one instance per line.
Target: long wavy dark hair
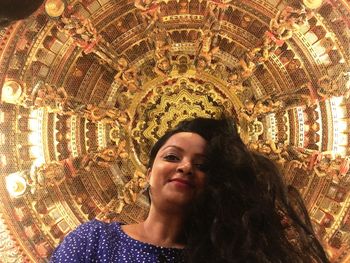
x=245, y=212
x=13, y=10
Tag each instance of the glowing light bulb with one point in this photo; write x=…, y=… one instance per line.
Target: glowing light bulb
x=11, y=91
x=15, y=184
x=54, y=8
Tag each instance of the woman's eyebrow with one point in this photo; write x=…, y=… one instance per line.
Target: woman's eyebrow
x=182, y=150
x=173, y=146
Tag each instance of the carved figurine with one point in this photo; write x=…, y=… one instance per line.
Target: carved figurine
x=46, y=175
x=253, y=58
x=80, y=29
x=129, y=194
x=207, y=48
x=216, y=8
x=289, y=20
x=252, y=110
x=150, y=11
x=85, y=35
x=235, y=80
x=162, y=45
x=109, y=116
x=335, y=168
x=270, y=149
x=55, y=99
x=338, y=86
x=127, y=75
x=105, y=157
x=134, y=187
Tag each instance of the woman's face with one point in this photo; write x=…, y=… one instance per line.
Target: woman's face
x=177, y=174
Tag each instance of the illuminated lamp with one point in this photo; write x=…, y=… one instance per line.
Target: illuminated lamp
x=15, y=184
x=11, y=91
x=55, y=8
x=312, y=4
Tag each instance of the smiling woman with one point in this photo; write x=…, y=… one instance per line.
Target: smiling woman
x=176, y=175
x=212, y=200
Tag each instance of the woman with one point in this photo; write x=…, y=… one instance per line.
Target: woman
x=212, y=200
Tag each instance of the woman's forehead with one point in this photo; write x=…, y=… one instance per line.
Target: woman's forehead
x=186, y=141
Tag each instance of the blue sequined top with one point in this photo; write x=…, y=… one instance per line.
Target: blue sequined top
x=97, y=241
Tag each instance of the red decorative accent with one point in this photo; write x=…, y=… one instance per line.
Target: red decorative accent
x=279, y=42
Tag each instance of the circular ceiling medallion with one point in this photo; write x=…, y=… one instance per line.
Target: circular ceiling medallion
x=167, y=104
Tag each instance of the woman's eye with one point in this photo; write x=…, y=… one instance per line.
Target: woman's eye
x=200, y=166
x=171, y=157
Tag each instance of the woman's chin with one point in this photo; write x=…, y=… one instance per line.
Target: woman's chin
x=179, y=199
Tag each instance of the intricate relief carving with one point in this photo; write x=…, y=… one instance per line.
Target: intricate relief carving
x=174, y=60
x=162, y=43
x=150, y=11
x=45, y=95
x=85, y=35
x=339, y=86
x=170, y=103
x=111, y=116
x=207, y=48
x=216, y=8
x=127, y=75
x=106, y=157
x=8, y=249
x=128, y=195
x=253, y=110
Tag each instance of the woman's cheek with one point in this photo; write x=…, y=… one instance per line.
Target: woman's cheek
x=159, y=174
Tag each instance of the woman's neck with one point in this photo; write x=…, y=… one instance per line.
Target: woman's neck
x=161, y=229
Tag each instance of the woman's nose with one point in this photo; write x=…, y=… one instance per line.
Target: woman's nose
x=185, y=167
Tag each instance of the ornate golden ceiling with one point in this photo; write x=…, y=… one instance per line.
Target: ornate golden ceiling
x=87, y=86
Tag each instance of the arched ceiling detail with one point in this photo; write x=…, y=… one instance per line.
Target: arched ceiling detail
x=86, y=93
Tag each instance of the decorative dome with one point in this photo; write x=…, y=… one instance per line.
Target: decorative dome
x=87, y=86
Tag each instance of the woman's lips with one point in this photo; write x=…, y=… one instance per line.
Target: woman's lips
x=182, y=182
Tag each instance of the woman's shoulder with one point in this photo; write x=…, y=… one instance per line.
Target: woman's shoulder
x=96, y=227
x=86, y=241
x=97, y=224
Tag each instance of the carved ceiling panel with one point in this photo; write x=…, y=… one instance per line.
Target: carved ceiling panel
x=87, y=86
